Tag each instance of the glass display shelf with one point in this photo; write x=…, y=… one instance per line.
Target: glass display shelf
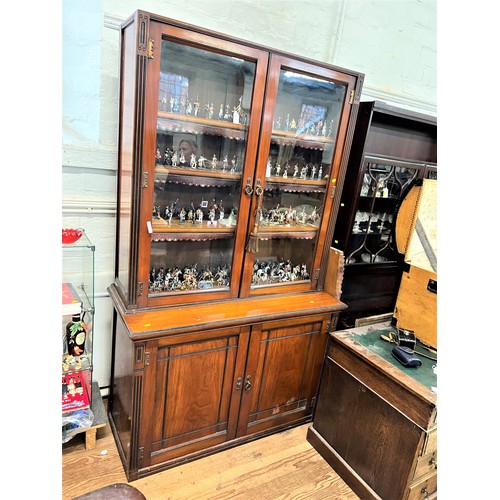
x=384, y=184
x=78, y=261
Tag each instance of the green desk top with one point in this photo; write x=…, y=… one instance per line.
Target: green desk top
x=424, y=374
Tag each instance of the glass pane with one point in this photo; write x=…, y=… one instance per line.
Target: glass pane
x=372, y=234
x=305, y=126
x=203, y=109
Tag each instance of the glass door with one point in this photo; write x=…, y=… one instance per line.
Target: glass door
x=383, y=185
x=203, y=166
x=298, y=166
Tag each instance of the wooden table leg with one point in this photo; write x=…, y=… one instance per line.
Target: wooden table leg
x=90, y=438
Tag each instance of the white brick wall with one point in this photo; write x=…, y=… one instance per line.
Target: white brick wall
x=392, y=42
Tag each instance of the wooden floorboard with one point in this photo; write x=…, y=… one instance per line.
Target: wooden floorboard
x=278, y=467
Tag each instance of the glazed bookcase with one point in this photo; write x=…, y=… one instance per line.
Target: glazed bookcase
x=392, y=149
x=231, y=156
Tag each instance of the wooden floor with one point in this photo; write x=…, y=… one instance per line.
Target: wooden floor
x=282, y=466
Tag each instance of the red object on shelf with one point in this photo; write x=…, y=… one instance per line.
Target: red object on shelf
x=71, y=235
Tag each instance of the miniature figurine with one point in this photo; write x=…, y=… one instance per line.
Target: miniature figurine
x=169, y=213
x=303, y=172
x=174, y=159
x=234, y=164
x=268, y=167
x=201, y=161
x=176, y=105
x=224, y=163
x=196, y=107
x=236, y=112
x=157, y=156
x=320, y=172
x=313, y=171
x=199, y=215
x=214, y=162
x=296, y=171
x=278, y=169
x=189, y=107
x=192, y=163
x=182, y=216
x=164, y=102
x=182, y=159
x=221, y=112
x=167, y=158
x=330, y=129
x=285, y=173
x=211, y=216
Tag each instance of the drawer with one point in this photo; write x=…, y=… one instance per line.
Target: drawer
x=425, y=465
x=430, y=444
x=424, y=488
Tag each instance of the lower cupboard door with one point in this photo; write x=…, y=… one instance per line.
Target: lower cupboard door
x=196, y=397
x=282, y=373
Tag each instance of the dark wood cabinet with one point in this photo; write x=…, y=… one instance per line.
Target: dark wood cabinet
x=229, y=160
x=376, y=423
x=392, y=149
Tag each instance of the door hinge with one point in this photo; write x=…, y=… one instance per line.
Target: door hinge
x=146, y=358
x=145, y=179
x=140, y=288
x=316, y=274
x=332, y=194
x=151, y=47
x=351, y=97
x=313, y=402
x=140, y=453
x=328, y=325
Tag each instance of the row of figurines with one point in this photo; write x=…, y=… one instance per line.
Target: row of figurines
x=311, y=127
x=172, y=158
x=195, y=215
x=189, y=278
x=185, y=106
x=268, y=272
x=273, y=216
x=307, y=171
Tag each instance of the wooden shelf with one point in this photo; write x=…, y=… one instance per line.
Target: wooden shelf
x=171, y=122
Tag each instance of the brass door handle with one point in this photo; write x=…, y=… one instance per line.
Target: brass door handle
x=248, y=187
x=248, y=384
x=238, y=383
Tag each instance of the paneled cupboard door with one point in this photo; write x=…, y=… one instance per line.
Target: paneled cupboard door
x=282, y=373
x=192, y=394
x=298, y=164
